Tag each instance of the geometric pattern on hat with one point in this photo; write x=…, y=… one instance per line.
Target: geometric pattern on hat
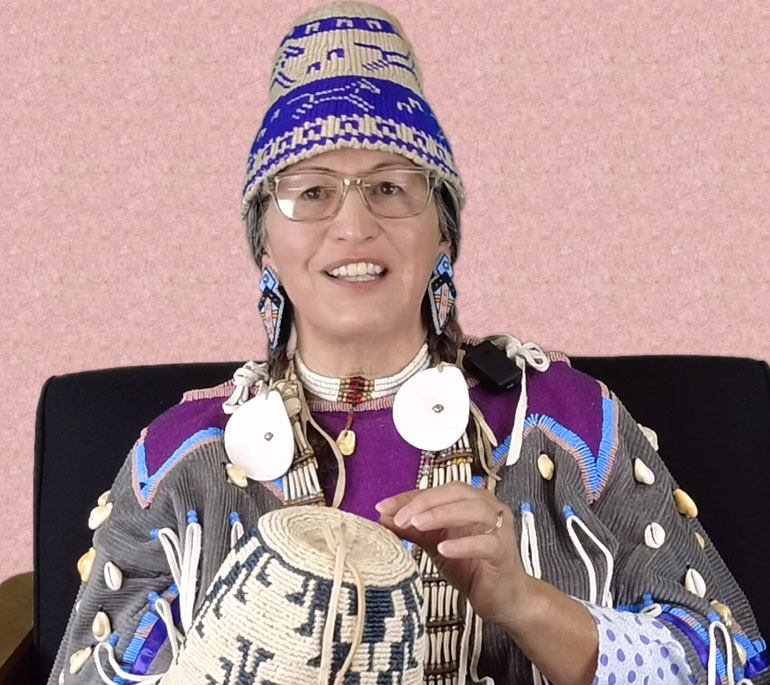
x=262, y=619
x=345, y=76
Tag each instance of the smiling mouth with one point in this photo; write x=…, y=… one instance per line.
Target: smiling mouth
x=358, y=272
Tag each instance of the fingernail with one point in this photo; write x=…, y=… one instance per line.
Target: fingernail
x=401, y=519
x=417, y=520
x=385, y=506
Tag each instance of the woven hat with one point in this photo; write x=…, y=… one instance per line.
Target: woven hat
x=345, y=76
x=313, y=595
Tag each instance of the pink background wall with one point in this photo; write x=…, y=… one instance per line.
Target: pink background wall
x=617, y=157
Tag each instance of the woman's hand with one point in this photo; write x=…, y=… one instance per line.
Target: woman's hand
x=455, y=524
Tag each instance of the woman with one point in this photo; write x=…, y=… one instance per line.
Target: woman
x=553, y=543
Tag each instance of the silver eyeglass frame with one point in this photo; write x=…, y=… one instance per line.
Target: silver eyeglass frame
x=360, y=184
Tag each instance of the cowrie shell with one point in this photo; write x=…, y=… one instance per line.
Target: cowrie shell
x=85, y=564
x=61, y=678
x=546, y=466
x=103, y=498
x=413, y=408
x=101, y=627
x=77, y=606
x=694, y=582
x=701, y=540
x=113, y=576
x=654, y=535
x=261, y=459
x=99, y=515
x=685, y=504
x=653, y=610
x=724, y=612
x=78, y=660
x=643, y=473
x=236, y=475
x=651, y=435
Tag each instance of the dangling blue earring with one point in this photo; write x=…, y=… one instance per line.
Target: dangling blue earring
x=275, y=309
x=441, y=293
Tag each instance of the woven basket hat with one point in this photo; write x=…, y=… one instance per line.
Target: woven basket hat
x=345, y=76
x=314, y=596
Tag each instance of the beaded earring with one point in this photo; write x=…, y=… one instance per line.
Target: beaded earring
x=441, y=293
x=275, y=308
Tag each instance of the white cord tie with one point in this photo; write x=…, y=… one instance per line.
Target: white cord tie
x=335, y=540
x=714, y=649
x=526, y=354
x=247, y=375
x=476, y=655
x=163, y=609
x=183, y=563
x=653, y=610
x=530, y=557
x=574, y=520
x=130, y=677
x=530, y=554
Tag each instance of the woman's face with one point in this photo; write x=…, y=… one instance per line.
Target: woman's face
x=304, y=254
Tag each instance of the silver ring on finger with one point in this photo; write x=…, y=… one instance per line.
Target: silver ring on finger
x=498, y=524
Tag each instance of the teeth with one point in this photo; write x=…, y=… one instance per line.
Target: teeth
x=364, y=271
x=357, y=279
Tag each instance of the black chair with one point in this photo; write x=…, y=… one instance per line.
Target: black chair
x=712, y=416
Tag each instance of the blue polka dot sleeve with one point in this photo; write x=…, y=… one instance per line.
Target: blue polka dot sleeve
x=637, y=648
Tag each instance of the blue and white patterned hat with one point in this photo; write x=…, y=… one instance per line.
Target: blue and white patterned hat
x=313, y=594
x=345, y=76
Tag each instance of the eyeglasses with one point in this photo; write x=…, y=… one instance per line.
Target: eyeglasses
x=387, y=194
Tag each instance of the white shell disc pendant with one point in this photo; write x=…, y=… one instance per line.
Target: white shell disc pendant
x=431, y=409
x=259, y=438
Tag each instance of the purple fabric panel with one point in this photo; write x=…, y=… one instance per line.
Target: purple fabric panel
x=757, y=665
x=383, y=464
x=498, y=410
x=571, y=398
x=177, y=424
x=155, y=640
x=566, y=395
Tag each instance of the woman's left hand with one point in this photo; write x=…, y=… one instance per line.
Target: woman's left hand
x=455, y=524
